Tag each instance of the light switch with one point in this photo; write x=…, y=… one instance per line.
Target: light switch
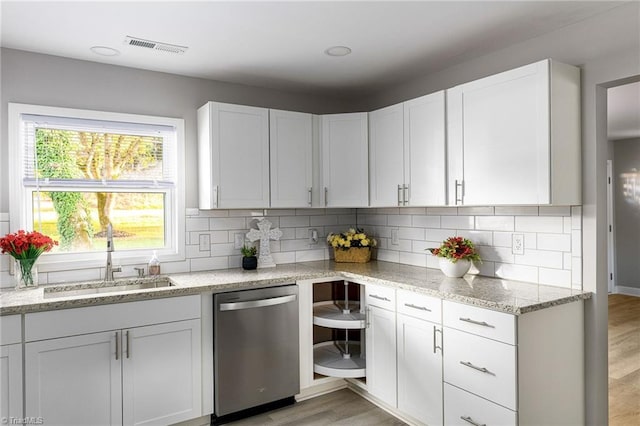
x=205, y=242
x=395, y=240
x=238, y=240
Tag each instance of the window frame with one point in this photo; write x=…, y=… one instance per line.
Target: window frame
x=21, y=216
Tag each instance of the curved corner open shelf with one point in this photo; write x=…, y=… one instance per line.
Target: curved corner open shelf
x=328, y=314
x=328, y=361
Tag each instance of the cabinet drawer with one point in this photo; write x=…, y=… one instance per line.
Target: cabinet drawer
x=465, y=409
x=92, y=319
x=481, y=366
x=420, y=306
x=383, y=297
x=10, y=329
x=483, y=322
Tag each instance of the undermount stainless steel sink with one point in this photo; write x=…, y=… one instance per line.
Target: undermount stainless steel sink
x=101, y=287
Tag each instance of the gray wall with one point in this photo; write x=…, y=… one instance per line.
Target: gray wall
x=50, y=80
x=627, y=214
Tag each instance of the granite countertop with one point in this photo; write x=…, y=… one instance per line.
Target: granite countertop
x=513, y=297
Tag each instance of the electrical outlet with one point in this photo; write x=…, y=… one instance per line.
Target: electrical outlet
x=313, y=236
x=517, y=244
x=205, y=242
x=395, y=240
x=238, y=240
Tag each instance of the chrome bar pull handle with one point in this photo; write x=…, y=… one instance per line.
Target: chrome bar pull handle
x=375, y=296
x=405, y=195
x=400, y=201
x=482, y=323
x=471, y=421
x=460, y=192
x=475, y=367
x=421, y=308
x=117, y=345
x=435, y=344
x=367, y=314
x=326, y=196
x=128, y=345
x=215, y=196
x=309, y=196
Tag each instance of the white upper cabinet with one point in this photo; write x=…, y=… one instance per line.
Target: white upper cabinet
x=514, y=137
x=345, y=165
x=291, y=138
x=233, y=156
x=407, y=153
x=424, y=150
x=386, y=156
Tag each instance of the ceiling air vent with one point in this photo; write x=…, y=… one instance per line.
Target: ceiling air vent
x=155, y=45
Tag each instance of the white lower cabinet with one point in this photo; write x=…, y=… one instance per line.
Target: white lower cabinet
x=419, y=370
x=11, y=367
x=463, y=408
x=144, y=374
x=381, y=354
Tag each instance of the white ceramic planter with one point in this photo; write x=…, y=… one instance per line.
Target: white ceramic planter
x=454, y=270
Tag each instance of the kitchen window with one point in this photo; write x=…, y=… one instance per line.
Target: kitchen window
x=77, y=171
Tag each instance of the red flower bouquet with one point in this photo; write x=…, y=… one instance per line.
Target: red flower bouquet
x=456, y=248
x=25, y=248
x=26, y=245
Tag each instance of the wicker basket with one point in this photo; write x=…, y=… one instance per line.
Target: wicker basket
x=352, y=255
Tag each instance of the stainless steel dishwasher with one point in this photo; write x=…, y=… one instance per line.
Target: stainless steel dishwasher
x=256, y=354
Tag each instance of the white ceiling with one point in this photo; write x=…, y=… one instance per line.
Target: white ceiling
x=623, y=110
x=280, y=44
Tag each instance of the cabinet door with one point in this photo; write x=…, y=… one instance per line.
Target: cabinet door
x=386, y=171
x=11, y=381
x=424, y=150
x=381, y=354
x=345, y=165
x=419, y=370
x=499, y=138
x=74, y=380
x=233, y=143
x=291, y=162
x=161, y=373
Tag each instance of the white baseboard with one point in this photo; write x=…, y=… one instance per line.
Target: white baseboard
x=321, y=389
x=629, y=291
x=360, y=388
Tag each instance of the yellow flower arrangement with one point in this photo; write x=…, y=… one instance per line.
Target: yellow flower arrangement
x=351, y=238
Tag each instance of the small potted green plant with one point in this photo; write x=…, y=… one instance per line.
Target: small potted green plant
x=249, y=259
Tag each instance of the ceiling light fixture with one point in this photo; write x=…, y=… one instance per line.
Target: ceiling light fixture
x=338, y=51
x=105, y=51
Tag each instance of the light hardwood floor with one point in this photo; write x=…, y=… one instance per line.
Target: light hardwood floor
x=624, y=360
x=342, y=407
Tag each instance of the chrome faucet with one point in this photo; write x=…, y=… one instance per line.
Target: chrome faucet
x=109, y=270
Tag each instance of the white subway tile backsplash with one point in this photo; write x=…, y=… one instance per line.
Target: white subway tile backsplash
x=388, y=210
x=556, y=242
x=413, y=210
x=294, y=221
x=421, y=246
x=439, y=234
x=457, y=222
x=209, y=263
x=288, y=233
x=547, y=259
x=398, y=220
x=388, y=255
x=495, y=254
x=566, y=225
x=442, y=211
x=193, y=251
x=347, y=219
x=516, y=272
x=554, y=211
x=576, y=217
x=483, y=238
x=556, y=277
x=484, y=268
x=227, y=223
x=425, y=221
x=415, y=259
x=294, y=245
x=495, y=223
x=403, y=245
x=371, y=219
x=567, y=261
x=516, y=210
x=197, y=224
x=281, y=212
x=310, y=255
x=551, y=224
x=323, y=220
x=284, y=257
x=476, y=211
x=576, y=271
x=246, y=213
x=225, y=249
x=576, y=239
x=411, y=233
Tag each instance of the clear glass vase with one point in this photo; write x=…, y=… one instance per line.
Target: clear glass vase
x=26, y=273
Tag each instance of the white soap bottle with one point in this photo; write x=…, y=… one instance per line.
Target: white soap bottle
x=154, y=264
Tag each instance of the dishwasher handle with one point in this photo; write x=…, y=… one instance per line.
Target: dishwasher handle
x=260, y=303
